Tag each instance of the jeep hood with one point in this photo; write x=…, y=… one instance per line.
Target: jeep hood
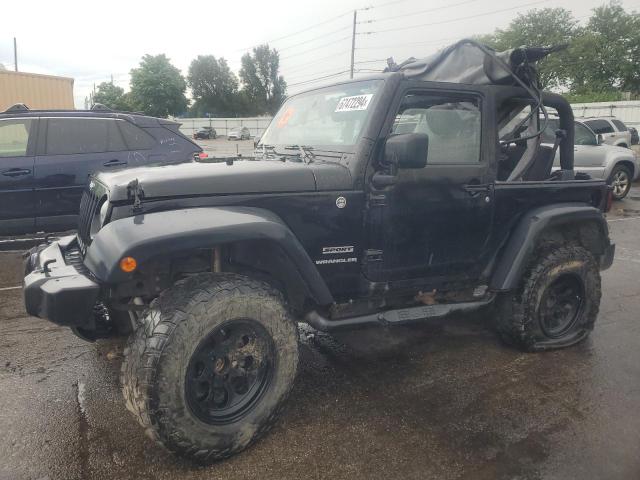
x=241, y=177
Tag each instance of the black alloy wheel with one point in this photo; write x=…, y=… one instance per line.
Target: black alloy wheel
x=229, y=371
x=561, y=305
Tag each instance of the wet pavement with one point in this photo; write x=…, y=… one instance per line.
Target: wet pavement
x=443, y=400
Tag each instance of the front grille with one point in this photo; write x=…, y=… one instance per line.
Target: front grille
x=73, y=257
x=88, y=206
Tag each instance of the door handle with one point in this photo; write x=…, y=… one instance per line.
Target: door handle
x=16, y=172
x=475, y=189
x=114, y=163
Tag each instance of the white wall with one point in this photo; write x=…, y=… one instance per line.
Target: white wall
x=627, y=111
x=256, y=125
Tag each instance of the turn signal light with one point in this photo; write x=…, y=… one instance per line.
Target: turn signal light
x=128, y=264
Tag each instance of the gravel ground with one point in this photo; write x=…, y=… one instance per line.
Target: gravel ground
x=443, y=400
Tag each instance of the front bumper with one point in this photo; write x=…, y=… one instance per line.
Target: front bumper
x=56, y=285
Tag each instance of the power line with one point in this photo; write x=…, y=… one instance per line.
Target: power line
x=315, y=38
x=384, y=4
x=324, y=22
x=431, y=42
x=313, y=62
x=451, y=20
x=336, y=74
x=419, y=12
x=310, y=75
x=316, y=48
x=299, y=31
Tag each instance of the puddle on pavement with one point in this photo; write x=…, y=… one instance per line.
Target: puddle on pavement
x=627, y=212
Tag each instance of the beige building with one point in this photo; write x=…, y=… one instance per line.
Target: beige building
x=35, y=91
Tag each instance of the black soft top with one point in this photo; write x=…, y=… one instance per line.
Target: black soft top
x=470, y=62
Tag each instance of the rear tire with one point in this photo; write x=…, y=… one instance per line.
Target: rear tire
x=620, y=181
x=557, y=303
x=195, y=376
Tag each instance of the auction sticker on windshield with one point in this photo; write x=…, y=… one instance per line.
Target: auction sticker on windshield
x=357, y=102
x=285, y=117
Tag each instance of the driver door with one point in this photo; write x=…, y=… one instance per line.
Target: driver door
x=434, y=222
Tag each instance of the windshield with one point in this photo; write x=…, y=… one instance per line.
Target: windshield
x=332, y=116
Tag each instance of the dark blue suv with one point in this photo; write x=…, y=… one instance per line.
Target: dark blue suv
x=47, y=155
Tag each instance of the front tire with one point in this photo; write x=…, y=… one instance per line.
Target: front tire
x=208, y=371
x=557, y=303
x=620, y=181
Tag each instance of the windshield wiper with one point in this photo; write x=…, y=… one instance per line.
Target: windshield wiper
x=306, y=152
x=268, y=150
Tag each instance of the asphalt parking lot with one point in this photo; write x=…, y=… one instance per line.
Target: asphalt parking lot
x=443, y=400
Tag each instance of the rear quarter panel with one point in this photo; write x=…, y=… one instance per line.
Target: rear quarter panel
x=513, y=200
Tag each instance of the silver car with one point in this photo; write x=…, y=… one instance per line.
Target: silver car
x=619, y=166
x=613, y=131
x=239, y=133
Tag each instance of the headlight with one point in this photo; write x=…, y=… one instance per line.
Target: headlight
x=103, y=212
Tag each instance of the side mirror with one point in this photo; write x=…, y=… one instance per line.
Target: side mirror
x=256, y=141
x=408, y=150
x=599, y=139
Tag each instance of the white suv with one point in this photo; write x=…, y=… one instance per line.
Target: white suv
x=613, y=131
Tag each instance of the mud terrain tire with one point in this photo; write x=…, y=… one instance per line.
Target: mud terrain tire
x=158, y=361
x=557, y=303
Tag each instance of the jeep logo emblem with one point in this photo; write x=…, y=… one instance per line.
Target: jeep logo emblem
x=341, y=202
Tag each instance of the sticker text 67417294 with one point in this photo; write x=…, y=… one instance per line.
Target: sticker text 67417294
x=357, y=102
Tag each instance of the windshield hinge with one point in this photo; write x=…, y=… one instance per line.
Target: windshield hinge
x=377, y=200
x=134, y=190
x=373, y=255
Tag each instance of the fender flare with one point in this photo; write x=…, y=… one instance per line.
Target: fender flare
x=151, y=235
x=515, y=255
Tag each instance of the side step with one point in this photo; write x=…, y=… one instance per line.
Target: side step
x=394, y=317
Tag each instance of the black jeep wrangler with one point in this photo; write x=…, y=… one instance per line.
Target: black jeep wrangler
x=409, y=195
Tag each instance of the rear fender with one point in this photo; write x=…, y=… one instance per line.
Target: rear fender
x=586, y=222
x=162, y=234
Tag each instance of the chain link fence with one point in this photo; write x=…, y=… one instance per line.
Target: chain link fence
x=256, y=125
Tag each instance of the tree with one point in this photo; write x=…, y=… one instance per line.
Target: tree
x=547, y=26
x=112, y=96
x=262, y=83
x=214, y=87
x=608, y=52
x=158, y=88
x=602, y=57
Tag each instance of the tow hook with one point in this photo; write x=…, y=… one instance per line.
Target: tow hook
x=45, y=265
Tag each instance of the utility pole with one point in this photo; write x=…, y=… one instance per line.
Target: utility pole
x=15, y=53
x=353, y=42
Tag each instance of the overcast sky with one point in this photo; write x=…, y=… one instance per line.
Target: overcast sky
x=90, y=40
